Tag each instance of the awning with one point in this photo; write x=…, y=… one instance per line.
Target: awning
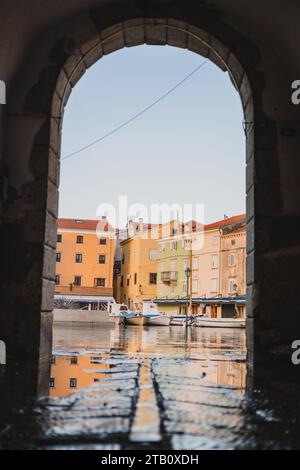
x=214, y=300
x=85, y=298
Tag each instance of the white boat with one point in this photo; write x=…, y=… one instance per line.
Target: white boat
x=133, y=319
x=158, y=320
x=153, y=317
x=180, y=320
x=207, y=322
x=115, y=312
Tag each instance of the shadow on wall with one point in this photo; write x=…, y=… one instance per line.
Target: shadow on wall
x=2, y=353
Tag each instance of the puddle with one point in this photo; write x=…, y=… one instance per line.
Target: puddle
x=127, y=388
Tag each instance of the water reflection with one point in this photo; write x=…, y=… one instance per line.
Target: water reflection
x=81, y=358
x=126, y=388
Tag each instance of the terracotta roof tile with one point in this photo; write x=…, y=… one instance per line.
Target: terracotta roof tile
x=224, y=222
x=84, y=224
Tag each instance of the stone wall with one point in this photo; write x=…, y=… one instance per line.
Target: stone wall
x=41, y=77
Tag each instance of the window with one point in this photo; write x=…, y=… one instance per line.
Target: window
x=99, y=282
x=135, y=278
x=79, y=239
x=232, y=242
x=231, y=259
x=214, y=286
x=173, y=246
x=195, y=263
x=77, y=280
x=101, y=259
x=78, y=258
x=102, y=241
x=74, y=360
x=58, y=257
x=152, y=254
x=73, y=383
x=122, y=282
x=128, y=279
x=187, y=244
x=173, y=265
x=59, y=238
x=232, y=286
x=57, y=279
x=185, y=264
x=52, y=382
x=194, y=286
x=215, y=261
x=152, y=278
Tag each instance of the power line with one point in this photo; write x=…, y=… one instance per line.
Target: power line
x=133, y=118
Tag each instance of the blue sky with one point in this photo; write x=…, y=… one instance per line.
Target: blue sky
x=189, y=148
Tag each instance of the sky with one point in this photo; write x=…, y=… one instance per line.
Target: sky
x=187, y=149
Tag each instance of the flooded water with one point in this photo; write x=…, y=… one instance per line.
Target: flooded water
x=153, y=388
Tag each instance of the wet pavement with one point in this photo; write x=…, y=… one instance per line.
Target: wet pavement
x=146, y=388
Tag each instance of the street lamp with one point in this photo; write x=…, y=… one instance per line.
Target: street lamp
x=187, y=275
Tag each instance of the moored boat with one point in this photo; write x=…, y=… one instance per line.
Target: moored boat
x=181, y=320
x=153, y=317
x=133, y=319
x=208, y=322
x=115, y=312
x=158, y=320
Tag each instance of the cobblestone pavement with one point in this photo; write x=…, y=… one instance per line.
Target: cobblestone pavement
x=192, y=399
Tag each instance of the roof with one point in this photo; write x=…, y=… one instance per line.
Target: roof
x=224, y=222
x=235, y=229
x=85, y=224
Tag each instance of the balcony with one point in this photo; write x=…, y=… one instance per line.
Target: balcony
x=169, y=277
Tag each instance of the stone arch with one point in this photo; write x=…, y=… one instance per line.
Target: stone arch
x=150, y=31
x=31, y=211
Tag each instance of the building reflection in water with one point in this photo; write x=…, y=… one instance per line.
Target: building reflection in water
x=69, y=373
x=81, y=358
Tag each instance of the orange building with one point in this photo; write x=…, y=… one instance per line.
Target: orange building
x=69, y=373
x=84, y=260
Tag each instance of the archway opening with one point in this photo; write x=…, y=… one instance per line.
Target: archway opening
x=138, y=164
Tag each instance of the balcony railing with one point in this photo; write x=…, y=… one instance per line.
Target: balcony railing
x=169, y=276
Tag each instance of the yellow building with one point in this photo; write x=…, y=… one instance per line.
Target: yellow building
x=138, y=274
x=84, y=260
